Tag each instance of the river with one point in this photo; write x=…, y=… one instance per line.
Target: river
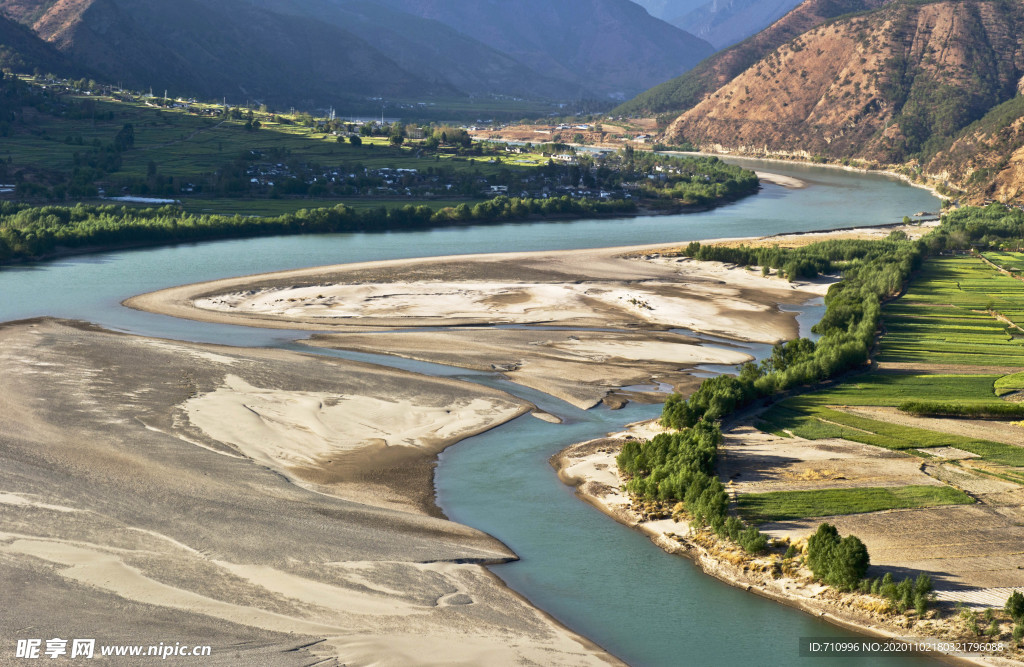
x=606, y=581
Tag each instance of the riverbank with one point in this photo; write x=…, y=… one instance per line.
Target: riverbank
x=932, y=188
x=590, y=467
x=273, y=505
x=84, y=231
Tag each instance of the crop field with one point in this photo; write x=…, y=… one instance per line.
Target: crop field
x=892, y=389
x=812, y=420
x=1011, y=261
x=788, y=505
x=1009, y=384
x=945, y=318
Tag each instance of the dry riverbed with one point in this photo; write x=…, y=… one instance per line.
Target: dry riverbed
x=275, y=506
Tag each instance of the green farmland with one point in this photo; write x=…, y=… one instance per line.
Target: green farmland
x=947, y=317
x=788, y=505
x=189, y=145
x=1011, y=261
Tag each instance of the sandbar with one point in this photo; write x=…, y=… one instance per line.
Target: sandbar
x=578, y=324
x=275, y=506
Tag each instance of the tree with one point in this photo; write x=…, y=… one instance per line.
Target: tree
x=355, y=140
x=1015, y=606
x=838, y=562
x=125, y=138
x=850, y=563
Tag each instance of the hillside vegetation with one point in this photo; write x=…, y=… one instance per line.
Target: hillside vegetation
x=21, y=50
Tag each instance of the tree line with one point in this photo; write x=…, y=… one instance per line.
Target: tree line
x=27, y=232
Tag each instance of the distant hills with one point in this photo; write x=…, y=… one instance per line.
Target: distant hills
x=320, y=52
x=932, y=85
x=720, y=22
x=725, y=22
x=609, y=47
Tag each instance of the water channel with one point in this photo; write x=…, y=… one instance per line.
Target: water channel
x=601, y=579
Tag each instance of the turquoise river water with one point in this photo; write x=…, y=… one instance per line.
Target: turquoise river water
x=603, y=580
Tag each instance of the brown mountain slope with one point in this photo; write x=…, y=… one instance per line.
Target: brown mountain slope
x=687, y=90
x=987, y=158
x=893, y=85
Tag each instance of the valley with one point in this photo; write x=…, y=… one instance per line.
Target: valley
x=319, y=320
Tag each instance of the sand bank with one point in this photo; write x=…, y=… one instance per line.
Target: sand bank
x=608, y=287
x=275, y=506
x=779, y=179
x=575, y=324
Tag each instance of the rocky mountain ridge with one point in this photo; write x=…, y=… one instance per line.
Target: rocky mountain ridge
x=931, y=88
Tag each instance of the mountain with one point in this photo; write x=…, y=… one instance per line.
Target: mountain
x=435, y=52
x=22, y=51
x=720, y=22
x=668, y=9
x=607, y=47
x=687, y=90
x=725, y=22
x=214, y=49
x=986, y=159
x=322, y=52
x=931, y=85
x=884, y=86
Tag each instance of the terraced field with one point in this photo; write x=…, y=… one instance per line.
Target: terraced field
x=1011, y=261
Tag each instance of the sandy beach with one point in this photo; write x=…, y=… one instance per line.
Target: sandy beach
x=276, y=506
